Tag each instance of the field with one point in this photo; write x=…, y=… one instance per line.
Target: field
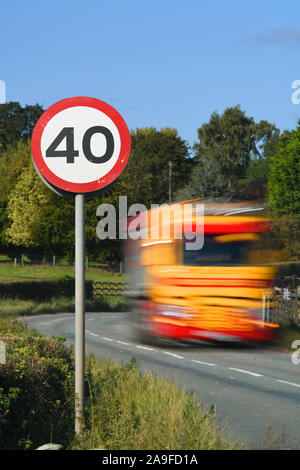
x=9, y=273
x=14, y=307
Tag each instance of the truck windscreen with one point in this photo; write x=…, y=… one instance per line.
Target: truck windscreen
x=214, y=253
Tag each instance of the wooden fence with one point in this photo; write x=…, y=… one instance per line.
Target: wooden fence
x=287, y=300
x=109, y=288
x=286, y=307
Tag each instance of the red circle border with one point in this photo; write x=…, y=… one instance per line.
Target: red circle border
x=100, y=183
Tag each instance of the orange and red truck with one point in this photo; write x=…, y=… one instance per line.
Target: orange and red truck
x=218, y=292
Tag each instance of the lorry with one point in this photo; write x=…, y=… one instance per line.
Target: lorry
x=217, y=291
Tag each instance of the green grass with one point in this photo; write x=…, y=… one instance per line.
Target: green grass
x=128, y=410
x=9, y=272
x=13, y=308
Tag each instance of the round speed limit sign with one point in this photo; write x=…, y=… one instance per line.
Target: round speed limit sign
x=80, y=145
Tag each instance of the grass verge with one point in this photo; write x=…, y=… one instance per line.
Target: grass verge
x=125, y=408
x=129, y=410
x=8, y=272
x=12, y=308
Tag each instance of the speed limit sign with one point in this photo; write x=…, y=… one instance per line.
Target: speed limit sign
x=80, y=145
x=79, y=148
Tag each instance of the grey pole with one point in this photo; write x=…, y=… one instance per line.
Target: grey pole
x=79, y=310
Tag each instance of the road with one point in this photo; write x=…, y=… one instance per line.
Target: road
x=252, y=389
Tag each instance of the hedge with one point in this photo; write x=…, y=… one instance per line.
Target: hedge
x=43, y=290
x=36, y=389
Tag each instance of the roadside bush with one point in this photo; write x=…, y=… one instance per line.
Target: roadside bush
x=36, y=389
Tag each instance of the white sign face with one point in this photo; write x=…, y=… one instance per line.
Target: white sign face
x=80, y=145
x=80, y=119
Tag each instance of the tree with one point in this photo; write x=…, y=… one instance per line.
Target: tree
x=38, y=217
x=12, y=163
x=145, y=180
x=284, y=178
x=206, y=182
x=230, y=141
x=17, y=122
x=255, y=184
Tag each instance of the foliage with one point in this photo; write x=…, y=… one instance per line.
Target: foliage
x=36, y=389
x=229, y=142
x=254, y=186
x=284, y=237
x=12, y=163
x=43, y=290
x=284, y=179
x=206, y=182
x=17, y=122
x=39, y=218
x=146, y=177
x=131, y=410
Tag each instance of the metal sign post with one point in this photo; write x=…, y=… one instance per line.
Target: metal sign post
x=80, y=146
x=79, y=310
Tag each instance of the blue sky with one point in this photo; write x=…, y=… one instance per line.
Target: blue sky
x=159, y=63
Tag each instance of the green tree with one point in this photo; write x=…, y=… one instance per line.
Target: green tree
x=38, y=217
x=254, y=185
x=12, y=163
x=145, y=180
x=206, y=182
x=229, y=142
x=17, y=122
x=284, y=178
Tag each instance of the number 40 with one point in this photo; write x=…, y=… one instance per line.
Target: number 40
x=70, y=153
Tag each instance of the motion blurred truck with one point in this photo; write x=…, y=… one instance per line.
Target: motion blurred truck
x=219, y=291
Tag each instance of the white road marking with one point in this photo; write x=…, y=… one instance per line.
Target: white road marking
x=107, y=339
x=173, y=355
x=145, y=347
x=90, y=319
x=204, y=363
x=123, y=342
x=288, y=383
x=93, y=334
x=246, y=372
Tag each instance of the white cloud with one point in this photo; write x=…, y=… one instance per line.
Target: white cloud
x=287, y=36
